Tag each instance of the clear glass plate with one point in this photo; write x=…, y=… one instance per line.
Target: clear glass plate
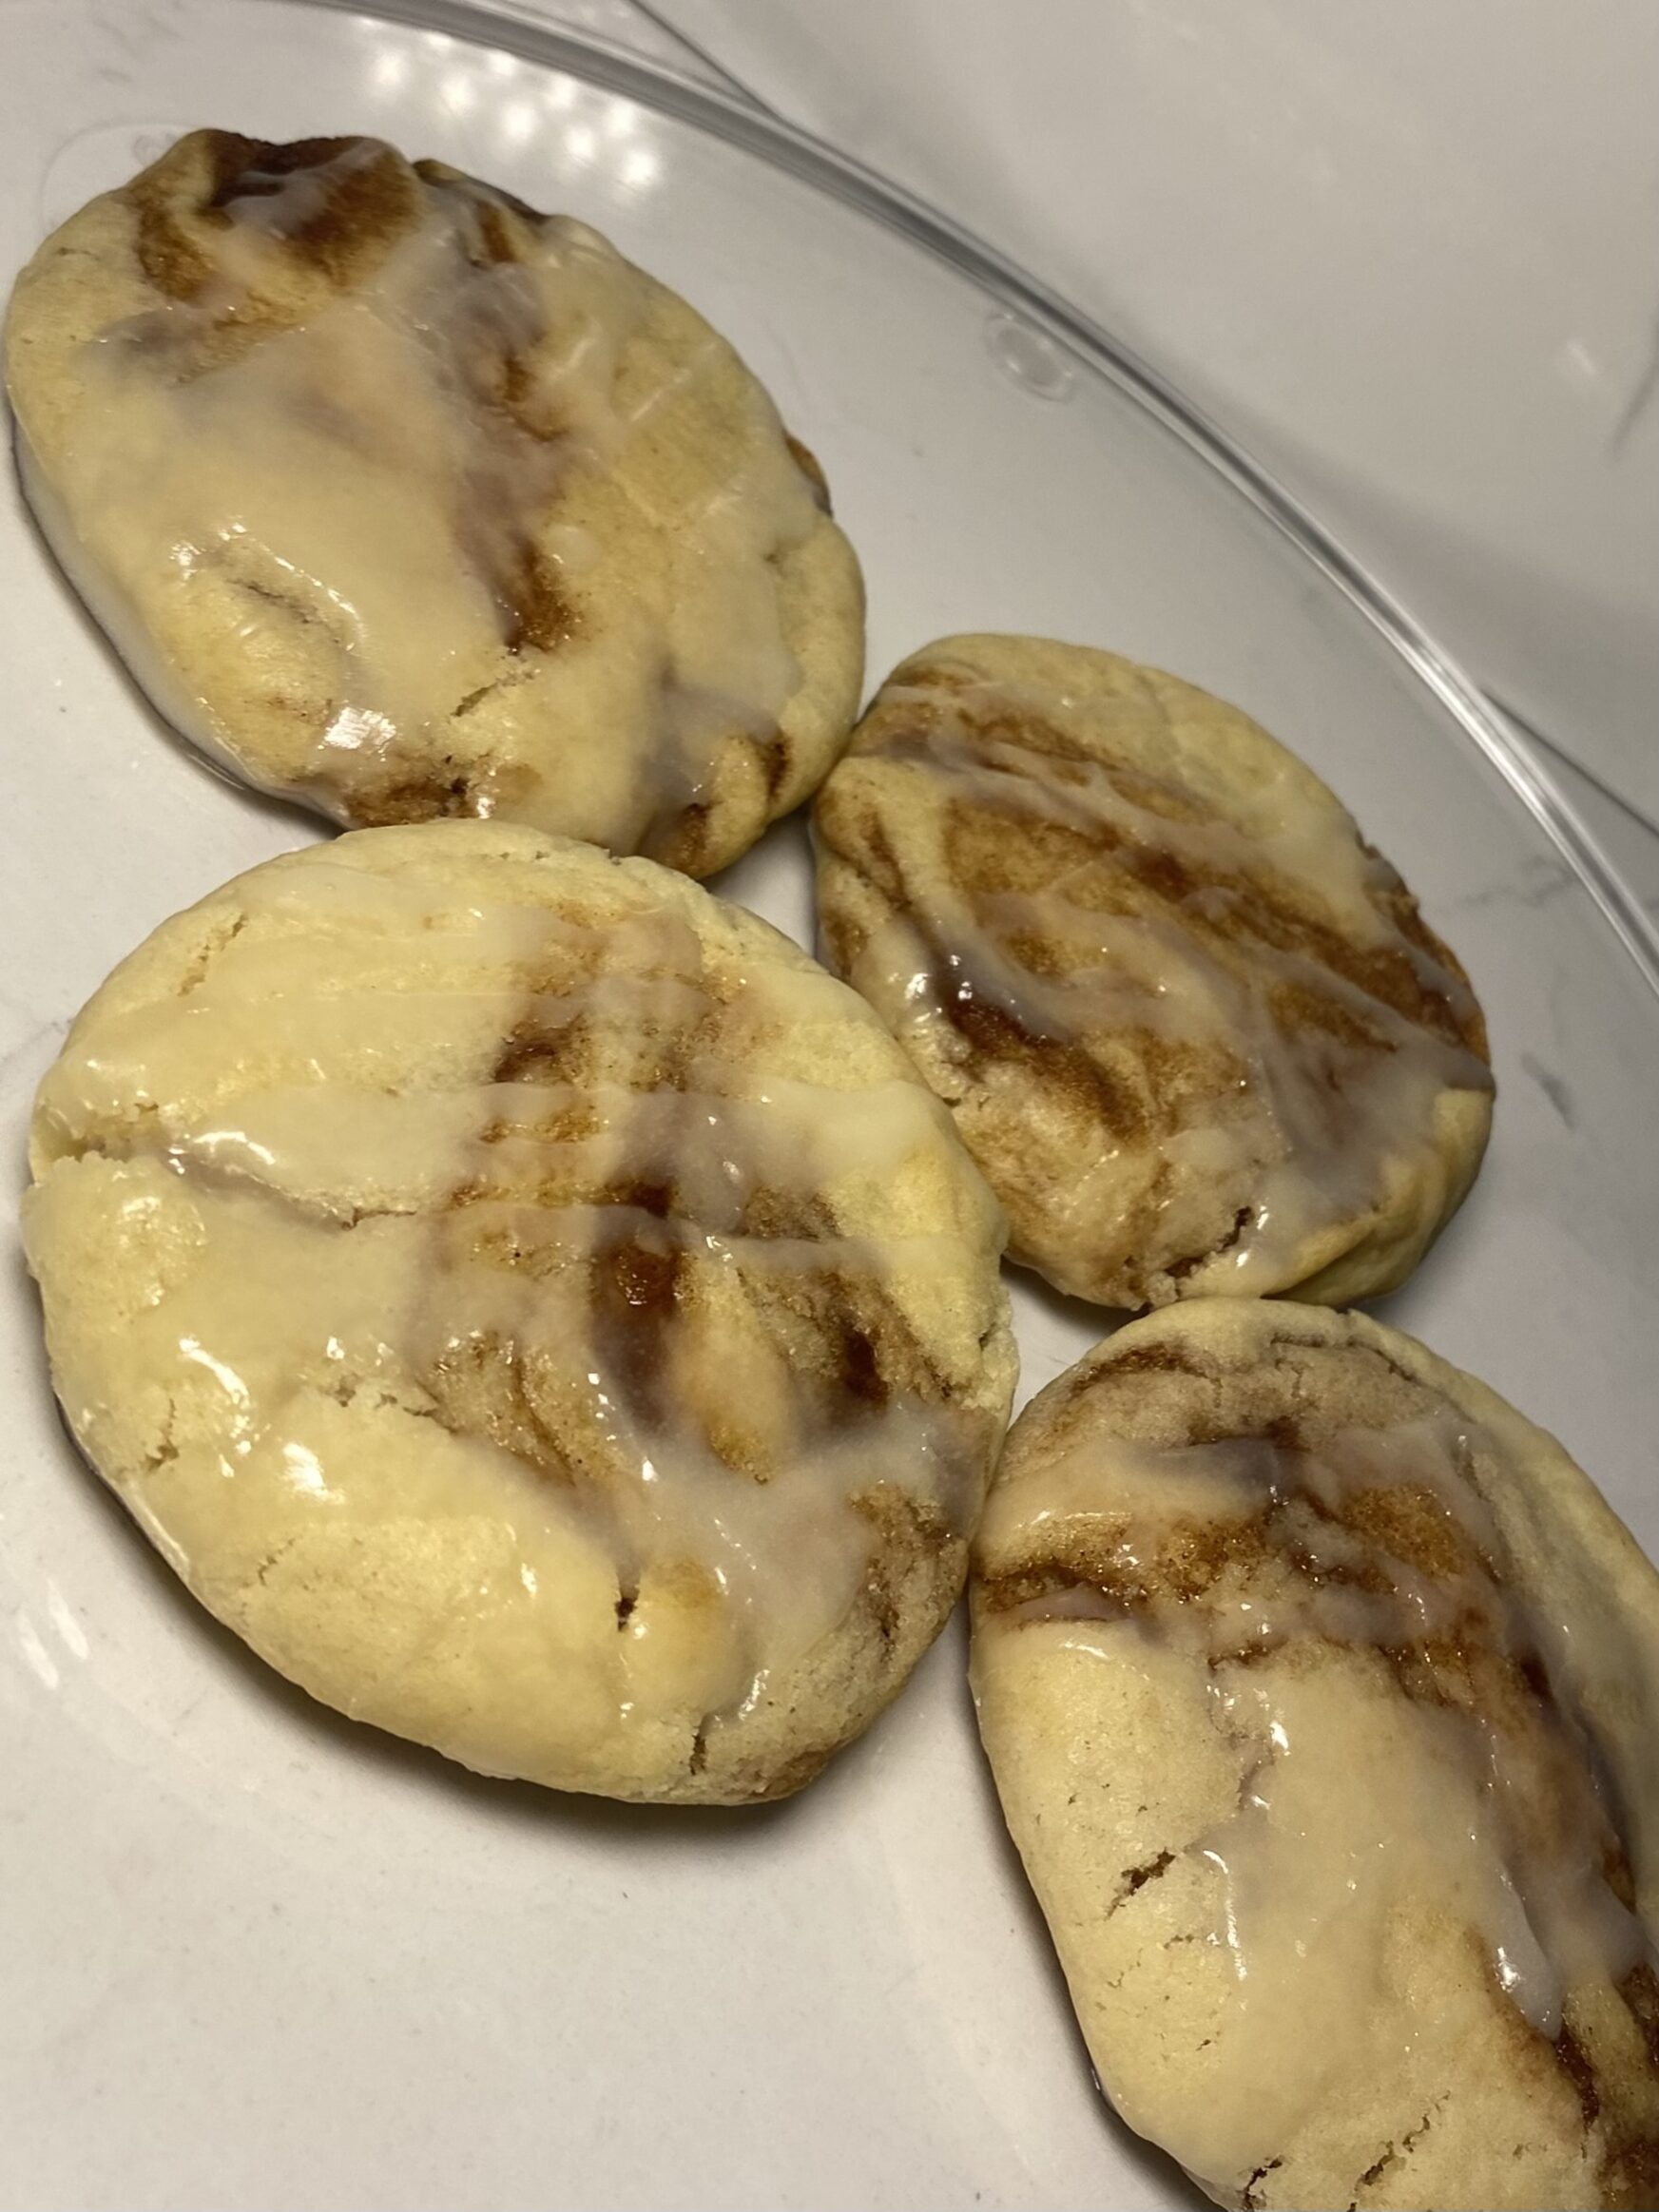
x=255, y=1956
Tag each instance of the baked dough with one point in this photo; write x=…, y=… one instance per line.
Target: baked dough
x=405, y=501
x=1321, y=1689
x=1190, y=1024
x=530, y=1302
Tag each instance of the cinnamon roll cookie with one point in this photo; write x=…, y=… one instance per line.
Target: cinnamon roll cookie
x=1193, y=1028
x=1320, y=1690
x=403, y=500
x=530, y=1302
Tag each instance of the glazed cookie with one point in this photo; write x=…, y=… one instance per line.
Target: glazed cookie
x=1190, y=1024
x=530, y=1302
x=1320, y=1690
x=403, y=500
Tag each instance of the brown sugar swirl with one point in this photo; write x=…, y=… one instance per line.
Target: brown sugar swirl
x=408, y=500
x=1193, y=1028
x=530, y=1302
x=1320, y=1690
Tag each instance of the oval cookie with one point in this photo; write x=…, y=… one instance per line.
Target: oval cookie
x=1320, y=1690
x=405, y=501
x=530, y=1302
x=1192, y=1027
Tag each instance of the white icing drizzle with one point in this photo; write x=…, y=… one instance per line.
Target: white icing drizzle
x=1453, y=1779
x=1292, y=1087
x=432, y=496
x=524, y=1184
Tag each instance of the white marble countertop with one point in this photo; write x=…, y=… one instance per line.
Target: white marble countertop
x=1338, y=234
x=1405, y=256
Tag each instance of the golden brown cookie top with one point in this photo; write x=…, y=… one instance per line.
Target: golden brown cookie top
x=1434, y=1789
x=1188, y=1020
x=411, y=501
x=597, y=1189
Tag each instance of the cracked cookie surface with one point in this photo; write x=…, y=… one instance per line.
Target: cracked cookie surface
x=406, y=501
x=530, y=1302
x=1320, y=1689
x=1193, y=1028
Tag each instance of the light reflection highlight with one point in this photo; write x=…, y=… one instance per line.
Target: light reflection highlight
x=38, y=1659
x=71, y=1632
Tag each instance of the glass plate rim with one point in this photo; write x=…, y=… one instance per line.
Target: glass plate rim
x=738, y=119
